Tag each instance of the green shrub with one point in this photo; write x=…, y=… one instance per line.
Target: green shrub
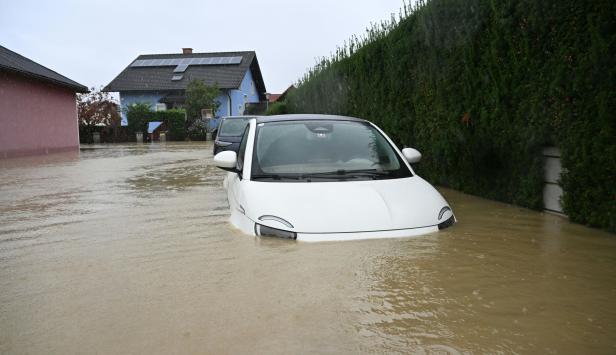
x=175, y=120
x=277, y=108
x=140, y=114
x=479, y=87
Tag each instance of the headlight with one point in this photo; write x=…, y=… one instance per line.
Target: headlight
x=443, y=210
x=448, y=222
x=265, y=231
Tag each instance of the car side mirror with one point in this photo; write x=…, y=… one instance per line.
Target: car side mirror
x=412, y=155
x=226, y=160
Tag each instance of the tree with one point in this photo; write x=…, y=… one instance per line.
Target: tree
x=200, y=96
x=96, y=108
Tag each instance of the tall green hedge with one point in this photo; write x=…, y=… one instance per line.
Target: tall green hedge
x=480, y=86
x=175, y=120
x=139, y=115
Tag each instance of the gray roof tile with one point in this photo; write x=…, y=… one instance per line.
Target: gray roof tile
x=17, y=63
x=159, y=78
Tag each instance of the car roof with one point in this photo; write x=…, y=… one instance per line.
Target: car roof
x=305, y=117
x=240, y=117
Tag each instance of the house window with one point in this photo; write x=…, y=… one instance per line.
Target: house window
x=161, y=106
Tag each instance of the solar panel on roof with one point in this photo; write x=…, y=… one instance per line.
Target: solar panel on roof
x=185, y=62
x=180, y=68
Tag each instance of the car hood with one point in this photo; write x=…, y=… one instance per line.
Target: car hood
x=342, y=207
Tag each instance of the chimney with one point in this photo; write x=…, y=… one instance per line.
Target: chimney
x=186, y=50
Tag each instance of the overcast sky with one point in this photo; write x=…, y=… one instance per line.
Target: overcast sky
x=92, y=41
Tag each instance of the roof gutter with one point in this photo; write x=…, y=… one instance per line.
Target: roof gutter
x=230, y=103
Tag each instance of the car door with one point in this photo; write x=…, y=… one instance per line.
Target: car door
x=235, y=191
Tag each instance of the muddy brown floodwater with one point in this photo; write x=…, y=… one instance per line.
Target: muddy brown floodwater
x=127, y=249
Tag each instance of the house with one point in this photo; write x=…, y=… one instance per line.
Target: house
x=280, y=97
x=38, y=111
x=284, y=94
x=273, y=98
x=161, y=79
x=262, y=108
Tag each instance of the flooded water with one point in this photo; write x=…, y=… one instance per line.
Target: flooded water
x=127, y=249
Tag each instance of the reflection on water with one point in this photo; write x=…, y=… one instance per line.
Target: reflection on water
x=127, y=249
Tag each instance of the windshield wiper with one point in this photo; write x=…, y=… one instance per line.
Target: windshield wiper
x=337, y=175
x=273, y=177
x=343, y=174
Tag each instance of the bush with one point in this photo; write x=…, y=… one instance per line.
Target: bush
x=198, y=129
x=175, y=120
x=140, y=114
x=480, y=87
x=277, y=108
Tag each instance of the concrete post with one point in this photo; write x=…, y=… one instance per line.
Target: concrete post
x=552, y=191
x=96, y=137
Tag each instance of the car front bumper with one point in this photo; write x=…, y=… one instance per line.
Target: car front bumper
x=270, y=232
x=333, y=237
x=397, y=233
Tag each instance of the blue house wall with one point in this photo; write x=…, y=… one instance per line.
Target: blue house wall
x=247, y=93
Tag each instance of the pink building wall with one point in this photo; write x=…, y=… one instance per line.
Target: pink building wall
x=36, y=117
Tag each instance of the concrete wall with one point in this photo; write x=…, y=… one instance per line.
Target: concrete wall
x=36, y=117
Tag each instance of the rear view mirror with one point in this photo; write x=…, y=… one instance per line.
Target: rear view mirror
x=226, y=160
x=412, y=155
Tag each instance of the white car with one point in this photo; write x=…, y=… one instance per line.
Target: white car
x=327, y=178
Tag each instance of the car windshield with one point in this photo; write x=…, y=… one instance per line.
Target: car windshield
x=325, y=150
x=233, y=127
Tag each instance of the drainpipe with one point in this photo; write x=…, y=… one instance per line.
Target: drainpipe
x=230, y=104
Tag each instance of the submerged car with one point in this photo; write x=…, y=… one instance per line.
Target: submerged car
x=230, y=133
x=327, y=178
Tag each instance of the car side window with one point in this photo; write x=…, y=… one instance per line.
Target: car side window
x=242, y=150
